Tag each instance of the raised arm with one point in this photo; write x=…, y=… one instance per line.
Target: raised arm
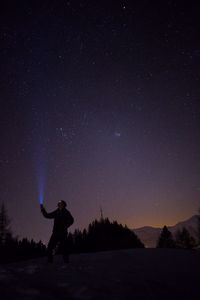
x=47, y=215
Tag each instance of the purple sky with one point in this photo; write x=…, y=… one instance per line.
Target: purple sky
x=100, y=104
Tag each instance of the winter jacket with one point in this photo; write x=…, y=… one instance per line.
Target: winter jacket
x=62, y=219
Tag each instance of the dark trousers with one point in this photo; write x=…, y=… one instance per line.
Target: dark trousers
x=56, y=239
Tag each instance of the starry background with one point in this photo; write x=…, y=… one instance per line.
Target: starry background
x=100, y=104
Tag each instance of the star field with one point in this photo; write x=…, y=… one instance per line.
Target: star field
x=100, y=103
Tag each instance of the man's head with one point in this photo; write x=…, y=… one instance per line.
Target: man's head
x=61, y=204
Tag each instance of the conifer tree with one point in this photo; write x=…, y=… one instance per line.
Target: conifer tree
x=198, y=227
x=5, y=231
x=165, y=239
x=184, y=239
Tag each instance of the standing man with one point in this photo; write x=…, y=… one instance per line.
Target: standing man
x=62, y=221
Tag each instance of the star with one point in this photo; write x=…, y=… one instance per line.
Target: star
x=117, y=134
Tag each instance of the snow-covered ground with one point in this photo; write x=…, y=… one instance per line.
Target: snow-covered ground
x=114, y=275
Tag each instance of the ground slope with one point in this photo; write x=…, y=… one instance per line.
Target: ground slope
x=118, y=275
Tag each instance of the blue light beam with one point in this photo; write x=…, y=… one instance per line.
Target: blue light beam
x=40, y=152
x=41, y=189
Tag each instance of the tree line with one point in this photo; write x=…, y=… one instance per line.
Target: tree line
x=101, y=235
x=181, y=239
x=12, y=248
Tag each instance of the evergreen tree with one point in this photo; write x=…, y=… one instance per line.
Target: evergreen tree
x=165, y=239
x=5, y=231
x=11, y=249
x=105, y=235
x=198, y=227
x=184, y=239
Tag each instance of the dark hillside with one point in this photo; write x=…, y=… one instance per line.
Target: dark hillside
x=157, y=274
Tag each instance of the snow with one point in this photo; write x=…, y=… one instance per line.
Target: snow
x=116, y=275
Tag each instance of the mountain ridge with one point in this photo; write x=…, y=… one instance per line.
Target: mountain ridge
x=149, y=234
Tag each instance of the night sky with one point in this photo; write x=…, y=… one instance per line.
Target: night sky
x=100, y=104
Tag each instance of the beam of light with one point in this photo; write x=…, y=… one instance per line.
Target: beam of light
x=40, y=154
x=41, y=199
x=41, y=189
x=40, y=173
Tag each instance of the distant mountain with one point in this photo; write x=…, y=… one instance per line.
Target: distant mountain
x=149, y=235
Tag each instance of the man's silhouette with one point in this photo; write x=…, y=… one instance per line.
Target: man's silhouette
x=62, y=221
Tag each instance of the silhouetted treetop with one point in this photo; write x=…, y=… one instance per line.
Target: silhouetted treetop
x=165, y=239
x=184, y=239
x=105, y=235
x=5, y=230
